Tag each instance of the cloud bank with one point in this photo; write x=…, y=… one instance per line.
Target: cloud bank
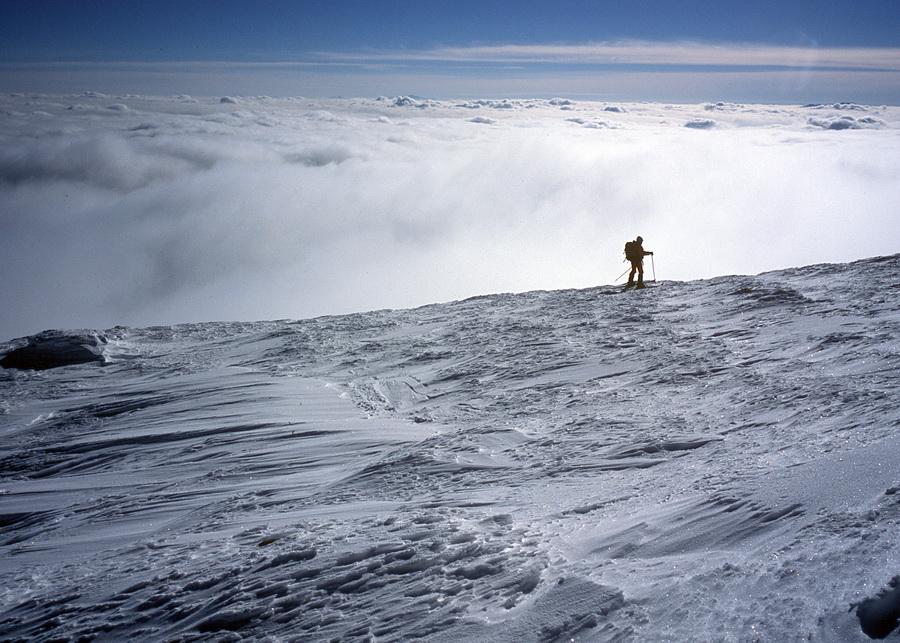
x=139, y=211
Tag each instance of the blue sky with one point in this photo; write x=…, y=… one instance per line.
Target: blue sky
x=773, y=51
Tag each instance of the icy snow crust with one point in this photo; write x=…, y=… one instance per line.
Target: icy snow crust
x=704, y=461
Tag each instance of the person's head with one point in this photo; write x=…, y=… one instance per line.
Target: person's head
x=639, y=240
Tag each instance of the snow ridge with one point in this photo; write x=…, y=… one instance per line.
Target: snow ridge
x=710, y=460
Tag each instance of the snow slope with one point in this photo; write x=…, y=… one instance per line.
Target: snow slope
x=704, y=461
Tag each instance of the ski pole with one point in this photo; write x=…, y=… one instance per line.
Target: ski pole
x=623, y=274
x=653, y=266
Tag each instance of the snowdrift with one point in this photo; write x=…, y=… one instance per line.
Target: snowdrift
x=703, y=461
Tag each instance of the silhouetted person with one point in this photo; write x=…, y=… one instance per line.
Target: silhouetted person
x=635, y=253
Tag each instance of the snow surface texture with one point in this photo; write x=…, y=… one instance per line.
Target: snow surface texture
x=703, y=461
x=142, y=211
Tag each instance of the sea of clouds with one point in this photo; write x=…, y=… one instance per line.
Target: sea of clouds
x=139, y=210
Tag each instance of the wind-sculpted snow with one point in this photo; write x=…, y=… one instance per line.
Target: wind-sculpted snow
x=702, y=461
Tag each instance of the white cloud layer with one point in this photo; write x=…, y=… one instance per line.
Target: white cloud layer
x=139, y=211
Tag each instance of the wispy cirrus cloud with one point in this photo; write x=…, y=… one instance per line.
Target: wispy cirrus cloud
x=682, y=72
x=633, y=52
x=643, y=53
